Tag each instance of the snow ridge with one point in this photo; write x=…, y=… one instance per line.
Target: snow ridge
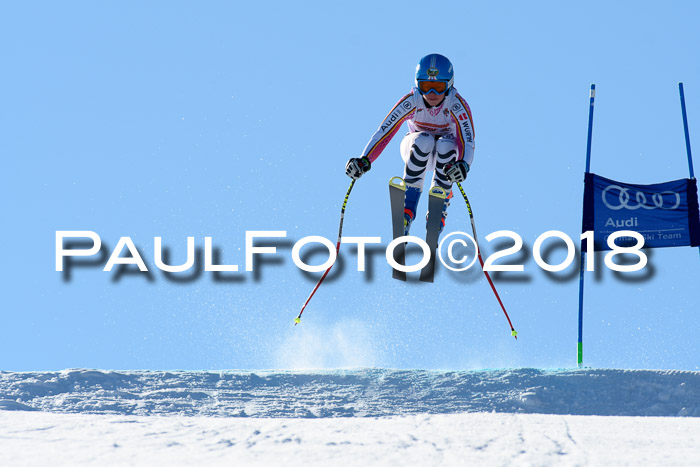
x=368, y=392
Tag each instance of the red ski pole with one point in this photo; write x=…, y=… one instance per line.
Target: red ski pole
x=471, y=216
x=337, y=248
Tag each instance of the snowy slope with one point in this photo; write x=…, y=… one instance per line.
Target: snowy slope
x=34, y=438
x=355, y=393
x=351, y=417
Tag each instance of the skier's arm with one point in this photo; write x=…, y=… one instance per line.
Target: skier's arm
x=462, y=116
x=404, y=109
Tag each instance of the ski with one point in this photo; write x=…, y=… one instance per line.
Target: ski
x=397, y=196
x=436, y=201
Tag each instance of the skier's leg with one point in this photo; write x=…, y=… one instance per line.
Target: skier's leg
x=446, y=149
x=416, y=151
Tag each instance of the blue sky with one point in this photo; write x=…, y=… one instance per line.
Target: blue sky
x=177, y=120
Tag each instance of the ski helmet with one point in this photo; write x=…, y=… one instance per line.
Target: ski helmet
x=435, y=67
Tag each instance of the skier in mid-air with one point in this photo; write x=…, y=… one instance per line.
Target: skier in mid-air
x=440, y=138
x=440, y=135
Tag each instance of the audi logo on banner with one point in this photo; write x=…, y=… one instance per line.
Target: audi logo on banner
x=634, y=199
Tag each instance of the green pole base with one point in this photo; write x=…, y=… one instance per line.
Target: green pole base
x=580, y=355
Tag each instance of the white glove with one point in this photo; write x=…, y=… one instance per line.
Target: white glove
x=357, y=166
x=456, y=172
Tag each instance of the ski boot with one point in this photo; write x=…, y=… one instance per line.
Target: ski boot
x=444, y=211
x=409, y=207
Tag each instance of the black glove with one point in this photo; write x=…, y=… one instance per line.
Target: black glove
x=357, y=166
x=456, y=172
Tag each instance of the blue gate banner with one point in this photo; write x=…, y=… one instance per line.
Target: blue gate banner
x=665, y=214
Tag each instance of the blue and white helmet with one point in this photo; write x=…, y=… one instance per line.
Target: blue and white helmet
x=435, y=67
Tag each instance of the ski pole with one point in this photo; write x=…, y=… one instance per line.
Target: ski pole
x=337, y=249
x=478, y=250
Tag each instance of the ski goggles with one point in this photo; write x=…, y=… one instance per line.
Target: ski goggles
x=438, y=87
